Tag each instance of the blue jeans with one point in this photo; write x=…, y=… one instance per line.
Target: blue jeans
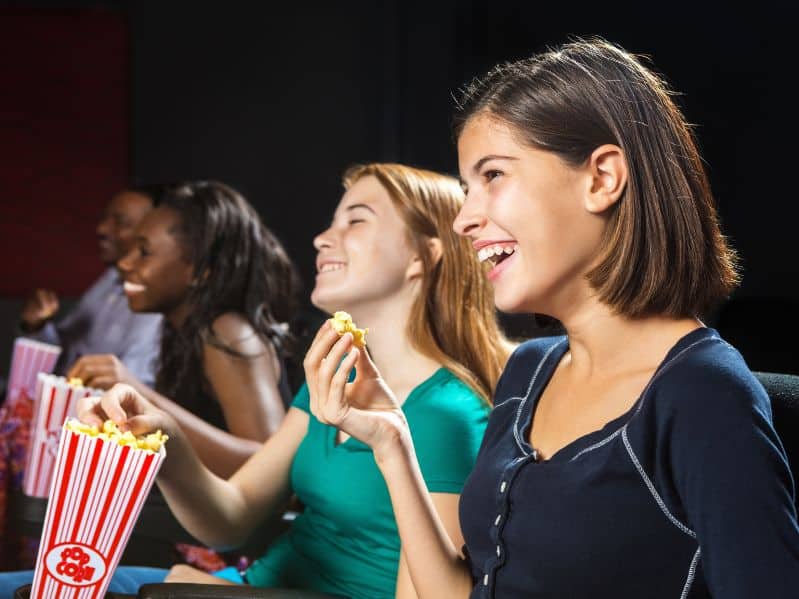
x=126, y=579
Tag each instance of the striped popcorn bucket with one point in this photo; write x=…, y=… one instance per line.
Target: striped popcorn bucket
x=54, y=402
x=98, y=490
x=28, y=359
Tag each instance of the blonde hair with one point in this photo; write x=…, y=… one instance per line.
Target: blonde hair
x=452, y=319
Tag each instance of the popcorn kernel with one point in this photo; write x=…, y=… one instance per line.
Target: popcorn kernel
x=342, y=323
x=110, y=432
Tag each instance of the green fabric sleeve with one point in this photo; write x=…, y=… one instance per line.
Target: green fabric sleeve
x=447, y=428
x=302, y=399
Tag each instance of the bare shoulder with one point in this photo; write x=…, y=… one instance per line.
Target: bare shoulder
x=237, y=334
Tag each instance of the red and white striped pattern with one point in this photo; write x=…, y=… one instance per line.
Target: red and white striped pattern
x=97, y=493
x=28, y=359
x=54, y=402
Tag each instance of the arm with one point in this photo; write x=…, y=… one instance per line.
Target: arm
x=367, y=410
x=218, y=512
x=733, y=481
x=222, y=451
x=246, y=387
x=446, y=507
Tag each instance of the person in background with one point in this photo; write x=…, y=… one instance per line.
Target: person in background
x=101, y=322
x=227, y=290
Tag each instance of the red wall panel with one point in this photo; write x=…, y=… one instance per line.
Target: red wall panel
x=63, y=143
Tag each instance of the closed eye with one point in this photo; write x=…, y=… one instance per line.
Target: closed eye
x=355, y=221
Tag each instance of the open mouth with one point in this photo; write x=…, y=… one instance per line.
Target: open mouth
x=330, y=267
x=131, y=288
x=495, y=254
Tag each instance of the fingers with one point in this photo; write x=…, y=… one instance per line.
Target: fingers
x=365, y=366
x=46, y=302
x=96, y=371
x=330, y=363
x=77, y=369
x=324, y=339
x=90, y=411
x=114, y=399
x=145, y=423
x=333, y=407
x=320, y=347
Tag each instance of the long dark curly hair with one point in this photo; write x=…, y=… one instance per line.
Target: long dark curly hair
x=239, y=266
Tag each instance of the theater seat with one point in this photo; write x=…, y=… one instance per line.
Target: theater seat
x=783, y=391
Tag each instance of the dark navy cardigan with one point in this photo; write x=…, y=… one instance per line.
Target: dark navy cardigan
x=686, y=495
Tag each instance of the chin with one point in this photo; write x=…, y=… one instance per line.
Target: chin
x=137, y=305
x=325, y=304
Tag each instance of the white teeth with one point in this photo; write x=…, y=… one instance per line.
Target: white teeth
x=331, y=266
x=495, y=250
x=133, y=287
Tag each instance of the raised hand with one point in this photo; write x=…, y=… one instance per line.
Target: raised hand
x=40, y=307
x=102, y=371
x=364, y=408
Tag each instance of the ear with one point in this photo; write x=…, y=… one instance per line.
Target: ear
x=607, y=169
x=435, y=249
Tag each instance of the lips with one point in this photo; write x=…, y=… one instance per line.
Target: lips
x=503, y=263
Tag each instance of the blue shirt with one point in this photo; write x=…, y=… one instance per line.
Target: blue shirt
x=686, y=495
x=102, y=323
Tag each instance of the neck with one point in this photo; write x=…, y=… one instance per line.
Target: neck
x=603, y=343
x=178, y=315
x=402, y=366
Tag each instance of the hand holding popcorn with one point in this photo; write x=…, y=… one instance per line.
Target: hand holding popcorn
x=127, y=409
x=365, y=407
x=102, y=371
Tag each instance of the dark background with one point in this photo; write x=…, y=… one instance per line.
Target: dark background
x=278, y=99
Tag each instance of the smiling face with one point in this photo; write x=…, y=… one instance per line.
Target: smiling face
x=365, y=255
x=115, y=231
x=526, y=214
x=157, y=272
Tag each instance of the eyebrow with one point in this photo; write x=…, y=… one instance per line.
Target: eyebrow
x=479, y=164
x=354, y=206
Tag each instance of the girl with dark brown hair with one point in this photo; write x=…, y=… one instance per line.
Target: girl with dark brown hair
x=634, y=456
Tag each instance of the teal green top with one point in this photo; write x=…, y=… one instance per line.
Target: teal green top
x=346, y=541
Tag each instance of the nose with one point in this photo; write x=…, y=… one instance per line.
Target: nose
x=470, y=218
x=104, y=227
x=125, y=263
x=323, y=240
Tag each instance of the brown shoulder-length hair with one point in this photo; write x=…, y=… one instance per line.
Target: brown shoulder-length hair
x=452, y=319
x=663, y=252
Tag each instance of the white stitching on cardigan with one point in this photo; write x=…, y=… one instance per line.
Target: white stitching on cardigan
x=651, y=487
x=524, y=399
x=597, y=445
x=615, y=434
x=691, y=574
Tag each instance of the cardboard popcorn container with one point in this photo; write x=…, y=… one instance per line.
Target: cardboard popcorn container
x=54, y=402
x=28, y=359
x=97, y=493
